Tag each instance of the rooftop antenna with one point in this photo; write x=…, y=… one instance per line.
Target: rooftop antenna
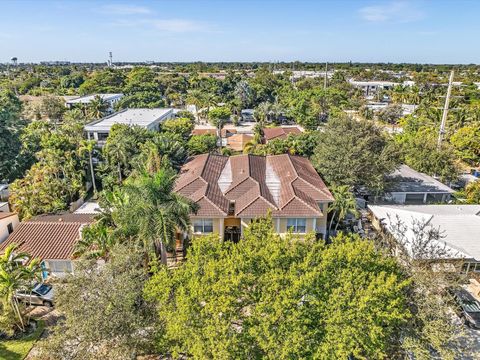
x=445, y=111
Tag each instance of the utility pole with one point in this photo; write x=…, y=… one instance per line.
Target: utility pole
x=325, y=78
x=445, y=111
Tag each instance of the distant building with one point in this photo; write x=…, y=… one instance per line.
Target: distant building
x=111, y=99
x=273, y=133
x=147, y=118
x=372, y=87
x=89, y=208
x=237, y=142
x=407, y=186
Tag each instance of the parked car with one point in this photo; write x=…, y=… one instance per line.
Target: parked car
x=467, y=307
x=41, y=294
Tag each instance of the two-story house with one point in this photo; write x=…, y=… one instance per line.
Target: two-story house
x=231, y=191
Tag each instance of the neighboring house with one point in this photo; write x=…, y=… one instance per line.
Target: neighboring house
x=459, y=226
x=4, y=207
x=110, y=99
x=279, y=132
x=205, y=131
x=224, y=133
x=147, y=118
x=232, y=191
x=8, y=223
x=237, y=142
x=52, y=239
x=407, y=109
x=372, y=87
x=407, y=186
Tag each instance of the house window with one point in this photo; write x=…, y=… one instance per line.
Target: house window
x=203, y=226
x=297, y=225
x=10, y=228
x=102, y=136
x=475, y=267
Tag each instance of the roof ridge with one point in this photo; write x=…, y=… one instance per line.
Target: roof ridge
x=307, y=204
x=308, y=182
x=211, y=202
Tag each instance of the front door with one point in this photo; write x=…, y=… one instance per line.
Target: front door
x=232, y=233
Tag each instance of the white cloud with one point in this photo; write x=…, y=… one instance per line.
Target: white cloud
x=164, y=25
x=178, y=25
x=124, y=9
x=396, y=11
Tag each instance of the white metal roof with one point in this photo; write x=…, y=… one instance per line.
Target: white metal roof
x=88, y=98
x=140, y=117
x=407, y=180
x=89, y=207
x=458, y=224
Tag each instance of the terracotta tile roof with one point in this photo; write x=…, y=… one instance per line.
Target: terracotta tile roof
x=204, y=131
x=212, y=131
x=279, y=132
x=237, y=142
x=288, y=185
x=50, y=237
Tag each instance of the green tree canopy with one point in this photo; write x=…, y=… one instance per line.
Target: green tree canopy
x=201, y=144
x=11, y=127
x=219, y=116
x=111, y=321
x=466, y=142
x=180, y=126
x=280, y=298
x=354, y=153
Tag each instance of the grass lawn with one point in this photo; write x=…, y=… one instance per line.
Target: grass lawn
x=18, y=349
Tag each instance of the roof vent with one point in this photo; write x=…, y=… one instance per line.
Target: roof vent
x=231, y=208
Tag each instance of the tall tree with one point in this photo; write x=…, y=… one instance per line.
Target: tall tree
x=97, y=108
x=158, y=212
x=354, y=153
x=15, y=276
x=111, y=321
x=276, y=297
x=343, y=205
x=11, y=127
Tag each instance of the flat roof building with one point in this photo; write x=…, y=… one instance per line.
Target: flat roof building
x=111, y=99
x=149, y=119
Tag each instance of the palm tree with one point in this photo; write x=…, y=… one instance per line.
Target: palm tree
x=97, y=108
x=117, y=153
x=14, y=275
x=343, y=205
x=158, y=211
x=96, y=242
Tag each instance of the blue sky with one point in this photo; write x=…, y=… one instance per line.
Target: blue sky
x=436, y=31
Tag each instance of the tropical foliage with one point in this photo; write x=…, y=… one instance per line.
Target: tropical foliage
x=274, y=297
x=15, y=276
